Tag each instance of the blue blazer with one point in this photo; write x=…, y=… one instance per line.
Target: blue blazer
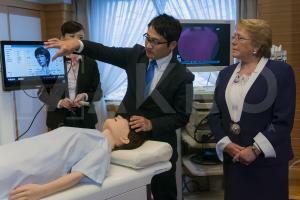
x=269, y=108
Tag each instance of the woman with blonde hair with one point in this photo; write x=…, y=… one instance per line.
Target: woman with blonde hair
x=252, y=117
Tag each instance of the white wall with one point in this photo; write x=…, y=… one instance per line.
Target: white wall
x=26, y=113
x=7, y=114
x=17, y=109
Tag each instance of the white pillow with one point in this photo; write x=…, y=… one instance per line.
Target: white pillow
x=149, y=153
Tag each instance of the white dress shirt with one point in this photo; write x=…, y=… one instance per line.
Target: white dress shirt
x=72, y=78
x=162, y=64
x=72, y=70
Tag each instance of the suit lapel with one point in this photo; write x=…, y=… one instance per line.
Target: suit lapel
x=167, y=72
x=141, y=69
x=140, y=79
x=79, y=80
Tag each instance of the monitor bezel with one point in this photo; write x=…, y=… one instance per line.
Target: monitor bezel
x=40, y=81
x=209, y=68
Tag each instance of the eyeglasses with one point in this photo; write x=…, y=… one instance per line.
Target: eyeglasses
x=153, y=41
x=239, y=38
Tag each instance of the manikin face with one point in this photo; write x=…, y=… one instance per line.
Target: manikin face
x=42, y=60
x=159, y=50
x=78, y=35
x=119, y=129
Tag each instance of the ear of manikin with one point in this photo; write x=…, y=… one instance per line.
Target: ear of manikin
x=124, y=140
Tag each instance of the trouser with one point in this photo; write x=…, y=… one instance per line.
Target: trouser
x=163, y=186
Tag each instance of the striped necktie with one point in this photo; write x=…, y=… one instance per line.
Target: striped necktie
x=149, y=77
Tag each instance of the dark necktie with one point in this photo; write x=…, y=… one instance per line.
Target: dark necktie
x=149, y=77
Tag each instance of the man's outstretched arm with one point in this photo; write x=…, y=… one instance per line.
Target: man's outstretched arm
x=37, y=191
x=66, y=47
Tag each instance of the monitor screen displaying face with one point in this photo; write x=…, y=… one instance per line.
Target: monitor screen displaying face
x=28, y=65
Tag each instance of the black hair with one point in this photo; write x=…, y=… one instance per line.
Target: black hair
x=71, y=27
x=136, y=139
x=166, y=26
x=42, y=51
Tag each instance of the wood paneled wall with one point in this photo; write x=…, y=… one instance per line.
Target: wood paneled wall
x=55, y=16
x=52, y=15
x=284, y=18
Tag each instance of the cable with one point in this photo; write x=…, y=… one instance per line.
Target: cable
x=205, y=157
x=34, y=115
x=30, y=123
x=30, y=95
x=190, y=183
x=202, y=126
x=208, y=79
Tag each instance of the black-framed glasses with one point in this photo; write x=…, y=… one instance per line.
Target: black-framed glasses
x=153, y=41
x=239, y=38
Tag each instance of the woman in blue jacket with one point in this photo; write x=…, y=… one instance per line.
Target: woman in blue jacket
x=252, y=117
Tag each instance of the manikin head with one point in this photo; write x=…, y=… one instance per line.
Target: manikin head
x=120, y=135
x=43, y=56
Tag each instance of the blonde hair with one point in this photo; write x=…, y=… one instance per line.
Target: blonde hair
x=260, y=33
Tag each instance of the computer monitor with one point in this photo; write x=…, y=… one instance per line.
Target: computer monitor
x=28, y=65
x=205, y=45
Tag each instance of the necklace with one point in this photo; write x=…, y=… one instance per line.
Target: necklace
x=241, y=79
x=73, y=68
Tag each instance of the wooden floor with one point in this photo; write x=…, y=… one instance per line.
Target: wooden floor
x=294, y=183
x=211, y=195
x=294, y=189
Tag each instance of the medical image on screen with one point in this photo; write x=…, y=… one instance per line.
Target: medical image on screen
x=204, y=44
x=30, y=61
x=29, y=65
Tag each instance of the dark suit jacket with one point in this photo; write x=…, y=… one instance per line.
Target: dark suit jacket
x=88, y=81
x=169, y=105
x=269, y=108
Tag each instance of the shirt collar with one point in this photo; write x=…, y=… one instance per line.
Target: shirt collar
x=162, y=63
x=258, y=68
x=79, y=57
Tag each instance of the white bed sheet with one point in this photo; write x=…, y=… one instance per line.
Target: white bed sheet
x=118, y=181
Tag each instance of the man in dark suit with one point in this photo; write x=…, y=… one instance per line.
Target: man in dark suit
x=65, y=104
x=159, y=94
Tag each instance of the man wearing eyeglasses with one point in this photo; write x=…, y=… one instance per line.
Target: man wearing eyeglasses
x=159, y=92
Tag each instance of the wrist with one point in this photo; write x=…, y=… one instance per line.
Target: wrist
x=59, y=103
x=149, y=126
x=43, y=190
x=86, y=97
x=255, y=150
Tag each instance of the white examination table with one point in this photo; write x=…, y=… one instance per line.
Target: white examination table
x=124, y=183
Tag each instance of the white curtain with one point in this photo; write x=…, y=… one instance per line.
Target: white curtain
x=198, y=9
x=246, y=9
x=117, y=23
x=80, y=14
x=123, y=22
